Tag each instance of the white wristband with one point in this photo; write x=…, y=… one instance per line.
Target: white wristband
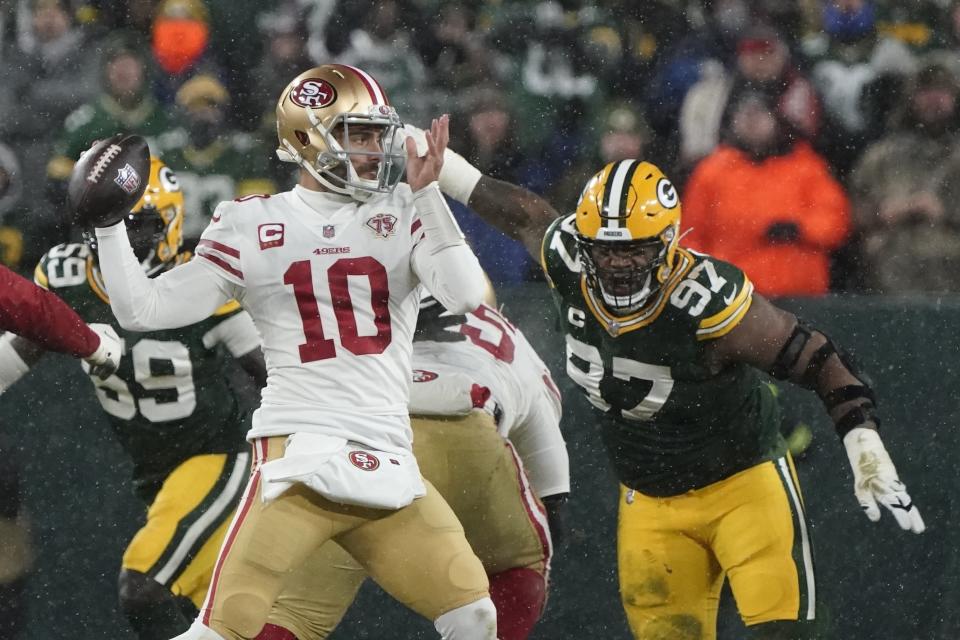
x=440, y=228
x=12, y=366
x=458, y=178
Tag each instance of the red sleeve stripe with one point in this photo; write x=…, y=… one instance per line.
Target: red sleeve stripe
x=222, y=248
x=416, y=225
x=220, y=262
x=548, y=381
x=373, y=87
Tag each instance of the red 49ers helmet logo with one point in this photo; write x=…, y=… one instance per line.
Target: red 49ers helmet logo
x=364, y=460
x=313, y=93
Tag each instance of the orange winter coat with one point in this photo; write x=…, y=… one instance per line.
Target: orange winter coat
x=731, y=200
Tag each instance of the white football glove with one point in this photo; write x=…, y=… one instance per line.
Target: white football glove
x=875, y=480
x=457, y=176
x=105, y=360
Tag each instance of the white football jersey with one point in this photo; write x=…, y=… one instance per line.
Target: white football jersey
x=482, y=358
x=329, y=284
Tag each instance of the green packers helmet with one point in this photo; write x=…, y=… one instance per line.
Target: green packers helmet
x=628, y=224
x=155, y=223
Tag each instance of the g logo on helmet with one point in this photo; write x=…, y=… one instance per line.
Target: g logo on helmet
x=169, y=179
x=313, y=93
x=667, y=193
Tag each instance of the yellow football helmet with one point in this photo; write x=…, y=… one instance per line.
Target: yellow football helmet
x=314, y=115
x=628, y=224
x=155, y=224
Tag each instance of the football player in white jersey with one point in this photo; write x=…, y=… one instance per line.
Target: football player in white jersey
x=485, y=415
x=330, y=273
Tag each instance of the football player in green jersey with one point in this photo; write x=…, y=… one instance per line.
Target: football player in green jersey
x=667, y=344
x=173, y=411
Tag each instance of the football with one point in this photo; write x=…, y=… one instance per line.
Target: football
x=108, y=180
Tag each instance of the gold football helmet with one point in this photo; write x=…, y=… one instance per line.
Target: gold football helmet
x=155, y=224
x=628, y=223
x=314, y=115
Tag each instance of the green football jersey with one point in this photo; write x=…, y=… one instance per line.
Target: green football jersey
x=234, y=166
x=169, y=399
x=101, y=119
x=670, y=423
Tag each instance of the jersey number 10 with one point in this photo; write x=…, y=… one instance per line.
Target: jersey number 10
x=299, y=275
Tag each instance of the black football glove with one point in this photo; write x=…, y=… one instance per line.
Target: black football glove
x=783, y=233
x=556, y=506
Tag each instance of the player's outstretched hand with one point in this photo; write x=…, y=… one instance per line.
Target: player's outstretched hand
x=105, y=360
x=422, y=170
x=875, y=480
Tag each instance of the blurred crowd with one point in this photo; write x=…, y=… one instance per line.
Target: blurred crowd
x=814, y=142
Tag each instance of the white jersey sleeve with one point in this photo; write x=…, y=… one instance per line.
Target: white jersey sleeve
x=450, y=272
x=539, y=443
x=236, y=332
x=219, y=246
x=182, y=296
x=483, y=351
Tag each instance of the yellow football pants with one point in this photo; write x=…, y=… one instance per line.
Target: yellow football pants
x=674, y=553
x=186, y=523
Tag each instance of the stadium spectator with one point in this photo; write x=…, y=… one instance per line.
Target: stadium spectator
x=123, y=104
x=914, y=23
x=763, y=63
x=488, y=138
x=382, y=46
x=713, y=42
x=455, y=51
x=767, y=202
x=285, y=54
x=553, y=73
x=622, y=134
x=13, y=217
x=45, y=76
x=48, y=73
x=858, y=73
x=214, y=161
x=630, y=41
x=905, y=191
x=180, y=39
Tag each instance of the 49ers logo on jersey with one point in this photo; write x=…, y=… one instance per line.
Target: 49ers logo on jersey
x=422, y=375
x=382, y=224
x=270, y=234
x=313, y=93
x=364, y=460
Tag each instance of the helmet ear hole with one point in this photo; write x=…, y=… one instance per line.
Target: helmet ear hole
x=302, y=137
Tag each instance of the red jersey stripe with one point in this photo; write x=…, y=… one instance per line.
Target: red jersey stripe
x=222, y=248
x=220, y=262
